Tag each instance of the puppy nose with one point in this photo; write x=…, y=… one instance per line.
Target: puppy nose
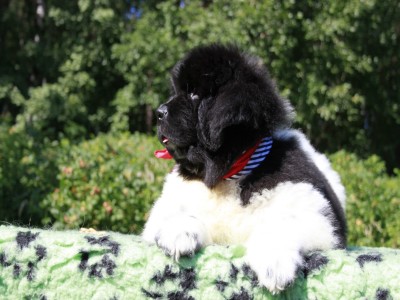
x=162, y=112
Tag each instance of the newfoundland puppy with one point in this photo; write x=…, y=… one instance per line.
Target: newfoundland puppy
x=242, y=175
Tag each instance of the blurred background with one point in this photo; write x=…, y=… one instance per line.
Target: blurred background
x=79, y=82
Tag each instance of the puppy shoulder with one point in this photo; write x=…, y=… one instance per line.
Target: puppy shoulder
x=287, y=196
x=301, y=211
x=319, y=159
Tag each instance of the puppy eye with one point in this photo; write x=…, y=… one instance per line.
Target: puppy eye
x=193, y=97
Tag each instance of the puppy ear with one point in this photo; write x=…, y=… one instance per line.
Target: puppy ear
x=241, y=113
x=234, y=120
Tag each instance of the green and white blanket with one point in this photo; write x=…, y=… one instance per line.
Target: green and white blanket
x=46, y=264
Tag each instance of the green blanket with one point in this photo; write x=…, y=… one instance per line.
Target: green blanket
x=45, y=264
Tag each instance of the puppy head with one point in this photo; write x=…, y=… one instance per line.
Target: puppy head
x=222, y=102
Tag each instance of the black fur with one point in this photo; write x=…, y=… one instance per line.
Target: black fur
x=222, y=103
x=179, y=295
x=315, y=261
x=104, y=241
x=249, y=273
x=243, y=294
x=95, y=271
x=108, y=264
x=16, y=270
x=188, y=279
x=31, y=269
x=221, y=285
x=25, y=238
x=382, y=294
x=366, y=258
x=168, y=274
x=3, y=260
x=84, y=260
x=233, y=272
x=152, y=295
x=233, y=98
x=41, y=252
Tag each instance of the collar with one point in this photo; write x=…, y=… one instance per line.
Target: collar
x=247, y=162
x=250, y=159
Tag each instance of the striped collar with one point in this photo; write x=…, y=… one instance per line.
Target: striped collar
x=250, y=159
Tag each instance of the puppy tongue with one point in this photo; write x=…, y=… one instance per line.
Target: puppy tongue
x=164, y=154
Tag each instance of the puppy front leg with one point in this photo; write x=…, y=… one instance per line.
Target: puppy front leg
x=296, y=221
x=182, y=235
x=274, y=260
x=176, y=232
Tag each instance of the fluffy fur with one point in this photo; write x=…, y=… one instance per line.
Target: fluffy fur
x=222, y=102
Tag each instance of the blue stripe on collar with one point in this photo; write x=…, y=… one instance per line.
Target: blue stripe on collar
x=256, y=159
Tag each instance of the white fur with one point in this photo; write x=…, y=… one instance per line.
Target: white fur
x=181, y=235
x=290, y=225
x=277, y=227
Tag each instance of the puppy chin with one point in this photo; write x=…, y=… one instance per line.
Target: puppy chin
x=196, y=163
x=209, y=169
x=178, y=153
x=191, y=165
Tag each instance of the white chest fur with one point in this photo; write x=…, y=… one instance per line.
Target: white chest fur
x=220, y=211
x=284, y=208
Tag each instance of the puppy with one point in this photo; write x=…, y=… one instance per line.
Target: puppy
x=242, y=175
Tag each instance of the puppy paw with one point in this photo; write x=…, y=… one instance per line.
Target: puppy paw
x=181, y=237
x=275, y=268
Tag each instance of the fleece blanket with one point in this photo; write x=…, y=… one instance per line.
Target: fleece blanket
x=46, y=264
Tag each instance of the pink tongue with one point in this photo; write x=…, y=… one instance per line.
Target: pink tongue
x=164, y=154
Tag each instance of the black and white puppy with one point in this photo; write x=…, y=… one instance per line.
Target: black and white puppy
x=243, y=176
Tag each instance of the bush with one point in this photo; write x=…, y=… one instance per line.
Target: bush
x=107, y=183
x=27, y=175
x=373, y=200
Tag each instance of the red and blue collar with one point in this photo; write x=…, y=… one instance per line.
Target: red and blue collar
x=248, y=161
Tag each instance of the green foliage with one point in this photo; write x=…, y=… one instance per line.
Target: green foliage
x=57, y=76
x=27, y=174
x=108, y=183
x=373, y=200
